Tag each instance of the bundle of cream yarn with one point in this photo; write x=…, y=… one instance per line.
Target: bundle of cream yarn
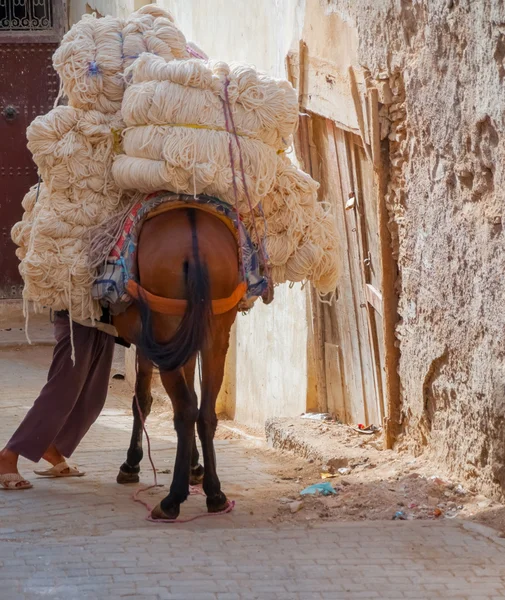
x=73, y=150
x=299, y=231
x=73, y=147
x=147, y=111
x=95, y=52
x=178, y=136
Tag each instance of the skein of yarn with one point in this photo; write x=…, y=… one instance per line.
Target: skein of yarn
x=190, y=92
x=300, y=232
x=21, y=232
x=193, y=161
x=178, y=134
x=147, y=111
x=95, y=52
x=73, y=150
x=73, y=147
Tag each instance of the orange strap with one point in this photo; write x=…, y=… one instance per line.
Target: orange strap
x=177, y=308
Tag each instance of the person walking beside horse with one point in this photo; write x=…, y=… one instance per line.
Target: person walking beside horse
x=67, y=406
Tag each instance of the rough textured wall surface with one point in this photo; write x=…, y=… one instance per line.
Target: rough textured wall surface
x=446, y=199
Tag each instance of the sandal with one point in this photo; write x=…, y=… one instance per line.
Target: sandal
x=14, y=481
x=57, y=471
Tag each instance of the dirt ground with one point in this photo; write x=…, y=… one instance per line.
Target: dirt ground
x=375, y=484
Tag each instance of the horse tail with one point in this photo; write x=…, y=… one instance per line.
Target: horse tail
x=194, y=328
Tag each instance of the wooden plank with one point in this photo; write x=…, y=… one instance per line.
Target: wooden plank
x=335, y=389
x=315, y=342
x=380, y=352
x=316, y=378
x=375, y=136
x=374, y=297
x=387, y=324
x=364, y=178
x=315, y=159
x=303, y=133
x=359, y=111
x=328, y=327
x=318, y=349
x=325, y=90
x=302, y=72
x=355, y=355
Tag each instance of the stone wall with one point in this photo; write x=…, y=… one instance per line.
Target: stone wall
x=445, y=195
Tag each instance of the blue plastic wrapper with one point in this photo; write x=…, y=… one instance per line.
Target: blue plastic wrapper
x=325, y=489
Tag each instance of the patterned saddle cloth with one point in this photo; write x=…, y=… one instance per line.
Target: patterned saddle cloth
x=110, y=287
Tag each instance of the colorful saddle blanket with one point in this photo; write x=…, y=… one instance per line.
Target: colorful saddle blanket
x=110, y=287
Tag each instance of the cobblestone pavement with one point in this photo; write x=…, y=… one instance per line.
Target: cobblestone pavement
x=84, y=538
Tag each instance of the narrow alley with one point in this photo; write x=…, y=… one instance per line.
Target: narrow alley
x=86, y=539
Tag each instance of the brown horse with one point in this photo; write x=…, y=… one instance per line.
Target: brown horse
x=188, y=255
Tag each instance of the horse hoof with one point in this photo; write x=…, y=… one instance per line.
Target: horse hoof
x=123, y=477
x=196, y=475
x=158, y=513
x=217, y=503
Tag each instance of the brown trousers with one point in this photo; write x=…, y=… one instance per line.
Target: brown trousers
x=73, y=396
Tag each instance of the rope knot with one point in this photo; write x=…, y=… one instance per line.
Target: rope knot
x=93, y=68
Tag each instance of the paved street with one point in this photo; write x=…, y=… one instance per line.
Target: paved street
x=85, y=538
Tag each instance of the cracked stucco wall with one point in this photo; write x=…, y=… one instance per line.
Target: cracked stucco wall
x=446, y=200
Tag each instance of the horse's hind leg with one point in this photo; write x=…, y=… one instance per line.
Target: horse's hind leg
x=185, y=414
x=196, y=473
x=213, y=362
x=129, y=470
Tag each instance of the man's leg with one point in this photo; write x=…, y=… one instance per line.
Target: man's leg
x=90, y=403
x=57, y=399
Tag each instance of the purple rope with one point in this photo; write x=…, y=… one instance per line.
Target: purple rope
x=194, y=53
x=235, y=191
x=242, y=170
x=93, y=68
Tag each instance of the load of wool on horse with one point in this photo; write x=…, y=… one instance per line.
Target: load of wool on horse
x=147, y=112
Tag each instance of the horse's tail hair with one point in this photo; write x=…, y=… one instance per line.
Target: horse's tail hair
x=194, y=328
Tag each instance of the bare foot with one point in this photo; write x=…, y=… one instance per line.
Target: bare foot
x=53, y=456
x=9, y=465
x=8, y=461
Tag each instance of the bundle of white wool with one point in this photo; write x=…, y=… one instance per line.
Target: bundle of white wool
x=207, y=127
x=95, y=52
x=187, y=125
x=73, y=150
x=181, y=118
x=73, y=147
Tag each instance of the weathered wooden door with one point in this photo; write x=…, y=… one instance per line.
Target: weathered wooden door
x=30, y=31
x=348, y=334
